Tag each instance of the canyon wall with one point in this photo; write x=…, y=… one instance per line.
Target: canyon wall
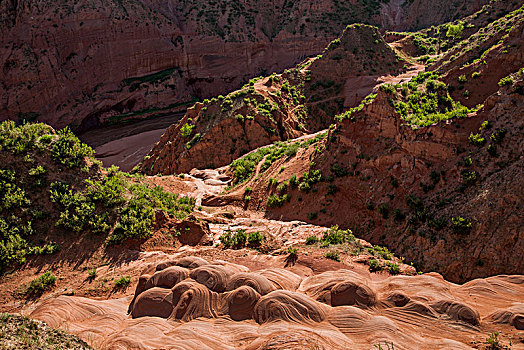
x=92, y=62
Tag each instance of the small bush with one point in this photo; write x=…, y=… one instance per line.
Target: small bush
x=91, y=273
x=42, y=283
x=311, y=240
x=122, y=282
x=186, y=130
x=235, y=239
x=374, y=265
x=506, y=81
x=335, y=235
x=498, y=136
x=293, y=181
x=461, y=225
x=381, y=252
x=469, y=177
x=68, y=150
x=333, y=255
x=393, y=268
x=255, y=238
x=292, y=251
x=476, y=140
x=276, y=201
x=493, y=340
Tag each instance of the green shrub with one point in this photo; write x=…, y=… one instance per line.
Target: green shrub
x=493, y=341
x=311, y=240
x=11, y=195
x=461, y=225
x=469, y=177
x=91, y=273
x=282, y=187
x=68, y=150
x=498, y=135
x=454, y=31
x=41, y=284
x=432, y=104
x=506, y=81
x=374, y=265
x=388, y=88
x=38, y=171
x=12, y=247
x=333, y=255
x=235, y=239
x=381, y=252
x=20, y=139
x=293, y=181
x=476, y=140
x=462, y=79
x=292, y=252
x=335, y=235
x=123, y=282
x=276, y=201
x=309, y=179
x=186, y=130
x=108, y=191
x=393, y=268
x=135, y=221
x=255, y=238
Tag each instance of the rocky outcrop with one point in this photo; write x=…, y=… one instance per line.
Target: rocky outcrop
x=279, y=107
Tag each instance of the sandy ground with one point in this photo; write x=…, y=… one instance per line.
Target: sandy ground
x=125, y=145
x=128, y=151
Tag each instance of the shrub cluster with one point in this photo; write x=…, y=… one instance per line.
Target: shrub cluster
x=83, y=198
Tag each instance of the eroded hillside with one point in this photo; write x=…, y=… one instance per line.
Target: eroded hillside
x=279, y=107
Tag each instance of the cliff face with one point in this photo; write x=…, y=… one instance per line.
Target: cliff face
x=92, y=61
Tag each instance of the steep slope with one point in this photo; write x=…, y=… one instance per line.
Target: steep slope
x=56, y=198
x=90, y=62
x=443, y=195
x=282, y=106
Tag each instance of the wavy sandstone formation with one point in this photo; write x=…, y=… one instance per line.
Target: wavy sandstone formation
x=189, y=302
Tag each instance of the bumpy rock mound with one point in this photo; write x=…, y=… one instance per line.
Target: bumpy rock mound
x=332, y=310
